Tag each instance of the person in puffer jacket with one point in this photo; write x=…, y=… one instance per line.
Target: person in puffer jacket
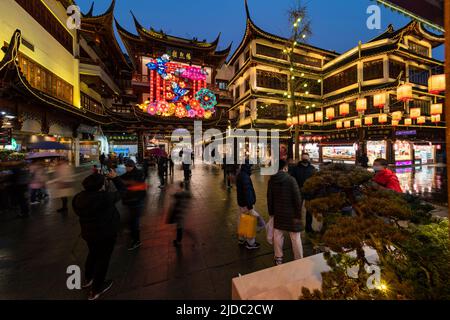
x=284, y=203
x=384, y=177
x=99, y=221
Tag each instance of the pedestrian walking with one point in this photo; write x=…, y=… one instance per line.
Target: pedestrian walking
x=134, y=190
x=162, y=169
x=102, y=160
x=246, y=198
x=284, y=204
x=37, y=182
x=385, y=178
x=181, y=199
x=99, y=222
x=62, y=186
x=171, y=165
x=302, y=172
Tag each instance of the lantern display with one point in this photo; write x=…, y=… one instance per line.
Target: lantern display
x=436, y=118
x=436, y=83
x=192, y=113
x=338, y=124
x=152, y=109
x=330, y=113
x=394, y=123
x=347, y=124
x=302, y=119
x=368, y=121
x=404, y=92
x=344, y=109
x=414, y=113
x=421, y=120
x=408, y=122
x=397, y=115
x=436, y=109
x=379, y=100
x=361, y=105
x=310, y=117
x=382, y=118
x=358, y=123
x=319, y=115
x=294, y=120
x=289, y=121
x=208, y=114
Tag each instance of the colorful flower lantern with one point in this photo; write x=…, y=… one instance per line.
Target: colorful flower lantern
x=180, y=111
x=347, y=124
x=361, y=104
x=338, y=124
x=191, y=113
x=368, y=121
x=302, y=119
x=414, y=113
x=162, y=107
x=382, y=118
x=436, y=83
x=330, y=113
x=171, y=110
x=396, y=115
x=421, y=120
x=436, y=108
x=208, y=114
x=357, y=123
x=408, y=122
x=394, y=123
x=310, y=117
x=344, y=109
x=404, y=92
x=206, y=98
x=152, y=109
x=436, y=118
x=194, y=104
x=319, y=115
x=379, y=100
x=200, y=112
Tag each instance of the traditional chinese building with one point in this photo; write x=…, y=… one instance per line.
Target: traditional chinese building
x=347, y=103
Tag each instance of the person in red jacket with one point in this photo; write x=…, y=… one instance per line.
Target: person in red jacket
x=385, y=177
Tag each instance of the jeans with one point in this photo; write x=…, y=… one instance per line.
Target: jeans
x=135, y=215
x=278, y=242
x=97, y=261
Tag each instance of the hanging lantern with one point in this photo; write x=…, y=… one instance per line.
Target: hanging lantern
x=302, y=119
x=361, y=104
x=397, y=115
x=319, y=115
x=294, y=120
x=344, y=109
x=330, y=113
x=421, y=120
x=408, y=122
x=357, y=123
x=394, y=123
x=436, y=109
x=338, y=124
x=404, y=92
x=289, y=121
x=368, y=121
x=382, y=118
x=310, y=117
x=436, y=83
x=436, y=118
x=379, y=100
x=414, y=113
x=347, y=124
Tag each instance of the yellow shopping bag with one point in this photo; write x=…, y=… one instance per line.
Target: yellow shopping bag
x=247, y=226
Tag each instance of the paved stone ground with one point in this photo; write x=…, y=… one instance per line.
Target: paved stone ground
x=35, y=252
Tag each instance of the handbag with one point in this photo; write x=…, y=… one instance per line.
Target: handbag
x=269, y=230
x=247, y=225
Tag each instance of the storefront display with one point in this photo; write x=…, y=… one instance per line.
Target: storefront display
x=425, y=153
x=313, y=150
x=89, y=151
x=376, y=149
x=403, y=153
x=346, y=154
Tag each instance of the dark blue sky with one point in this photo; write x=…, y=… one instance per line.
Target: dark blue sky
x=336, y=25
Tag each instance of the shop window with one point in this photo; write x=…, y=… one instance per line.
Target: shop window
x=418, y=48
x=418, y=76
x=270, y=52
x=271, y=80
x=373, y=70
x=341, y=80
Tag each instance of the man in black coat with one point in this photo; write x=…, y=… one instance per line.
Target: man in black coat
x=99, y=221
x=285, y=205
x=133, y=193
x=246, y=199
x=302, y=172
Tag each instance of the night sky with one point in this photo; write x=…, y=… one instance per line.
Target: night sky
x=336, y=25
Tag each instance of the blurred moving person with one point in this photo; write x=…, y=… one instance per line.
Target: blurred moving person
x=37, y=182
x=181, y=200
x=63, y=184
